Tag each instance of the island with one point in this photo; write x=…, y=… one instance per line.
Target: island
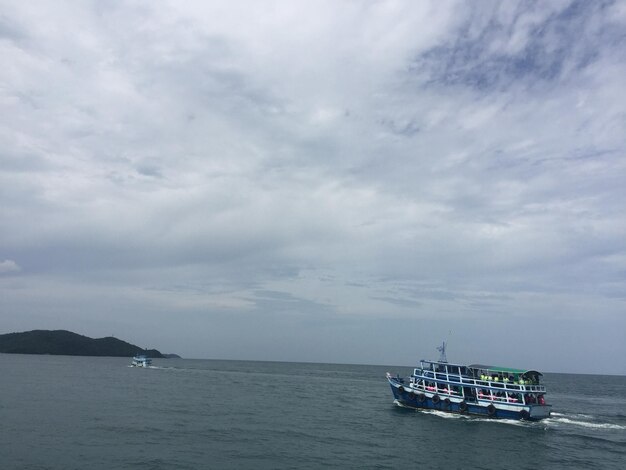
x=63, y=342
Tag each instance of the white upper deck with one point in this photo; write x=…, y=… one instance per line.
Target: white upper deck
x=478, y=375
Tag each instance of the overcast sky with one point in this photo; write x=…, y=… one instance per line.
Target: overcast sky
x=322, y=181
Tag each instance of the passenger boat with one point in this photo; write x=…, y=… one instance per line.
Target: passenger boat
x=141, y=361
x=477, y=389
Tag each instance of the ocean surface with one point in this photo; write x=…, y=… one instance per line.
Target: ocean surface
x=60, y=412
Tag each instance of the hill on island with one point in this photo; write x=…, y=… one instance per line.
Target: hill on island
x=62, y=342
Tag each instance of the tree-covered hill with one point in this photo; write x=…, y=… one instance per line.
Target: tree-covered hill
x=70, y=344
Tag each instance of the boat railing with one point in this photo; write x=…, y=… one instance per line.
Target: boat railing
x=431, y=389
x=483, y=390
x=503, y=399
x=504, y=385
x=473, y=382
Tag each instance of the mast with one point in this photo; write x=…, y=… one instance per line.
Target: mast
x=442, y=352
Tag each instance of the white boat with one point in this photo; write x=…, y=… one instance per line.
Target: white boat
x=141, y=361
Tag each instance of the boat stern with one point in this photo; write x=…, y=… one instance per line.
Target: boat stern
x=538, y=412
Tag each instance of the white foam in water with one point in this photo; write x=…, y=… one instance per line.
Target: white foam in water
x=555, y=419
x=444, y=414
x=585, y=424
x=510, y=422
x=578, y=415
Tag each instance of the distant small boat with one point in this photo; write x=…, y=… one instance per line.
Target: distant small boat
x=141, y=361
x=491, y=391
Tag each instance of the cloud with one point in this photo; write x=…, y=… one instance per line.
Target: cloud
x=9, y=266
x=500, y=45
x=322, y=165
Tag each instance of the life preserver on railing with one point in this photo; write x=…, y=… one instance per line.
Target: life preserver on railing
x=463, y=407
x=436, y=399
x=524, y=414
x=420, y=397
x=491, y=410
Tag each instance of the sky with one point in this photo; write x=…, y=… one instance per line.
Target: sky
x=322, y=181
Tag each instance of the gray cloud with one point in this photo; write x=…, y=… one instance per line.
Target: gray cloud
x=318, y=182
x=501, y=45
x=8, y=266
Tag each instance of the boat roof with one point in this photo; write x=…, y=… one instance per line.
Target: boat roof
x=503, y=369
x=509, y=370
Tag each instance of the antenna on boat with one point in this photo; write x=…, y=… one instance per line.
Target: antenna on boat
x=442, y=352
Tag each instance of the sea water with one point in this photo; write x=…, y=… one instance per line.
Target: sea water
x=60, y=412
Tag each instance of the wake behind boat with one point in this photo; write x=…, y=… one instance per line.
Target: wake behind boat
x=141, y=361
x=477, y=389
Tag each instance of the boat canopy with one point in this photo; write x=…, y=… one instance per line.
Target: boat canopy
x=509, y=370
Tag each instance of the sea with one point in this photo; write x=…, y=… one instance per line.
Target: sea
x=63, y=412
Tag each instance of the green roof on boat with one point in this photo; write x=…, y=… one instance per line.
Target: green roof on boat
x=502, y=369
